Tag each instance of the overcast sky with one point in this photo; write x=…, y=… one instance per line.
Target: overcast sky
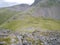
x=4, y=3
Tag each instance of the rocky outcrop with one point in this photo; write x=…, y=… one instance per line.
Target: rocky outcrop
x=35, y=38
x=40, y=38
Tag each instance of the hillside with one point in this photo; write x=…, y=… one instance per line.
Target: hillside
x=8, y=12
x=35, y=17
x=41, y=17
x=20, y=7
x=5, y=14
x=38, y=24
x=47, y=9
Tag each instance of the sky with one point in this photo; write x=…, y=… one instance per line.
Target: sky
x=6, y=3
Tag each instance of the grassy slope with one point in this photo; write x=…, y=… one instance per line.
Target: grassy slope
x=5, y=14
x=29, y=22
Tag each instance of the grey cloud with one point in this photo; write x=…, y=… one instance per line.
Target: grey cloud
x=5, y=4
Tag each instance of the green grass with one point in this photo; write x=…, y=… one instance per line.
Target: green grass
x=29, y=22
x=5, y=14
x=7, y=40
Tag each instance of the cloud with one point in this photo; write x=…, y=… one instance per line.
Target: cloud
x=6, y=3
x=20, y=1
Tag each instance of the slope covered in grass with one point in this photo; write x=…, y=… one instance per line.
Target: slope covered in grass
x=5, y=14
x=30, y=23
